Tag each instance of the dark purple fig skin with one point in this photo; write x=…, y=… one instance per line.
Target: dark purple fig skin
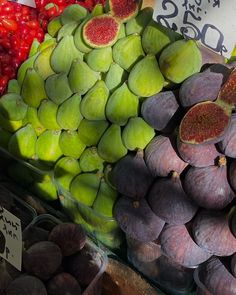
x=232, y=175
x=161, y=157
x=212, y=233
x=62, y=284
x=137, y=219
x=217, y=279
x=233, y=224
x=200, y=87
x=201, y=289
x=42, y=259
x=228, y=144
x=209, y=56
x=233, y=265
x=223, y=69
x=198, y=155
x=131, y=177
x=70, y=237
x=161, y=111
x=34, y=234
x=26, y=285
x=208, y=186
x=177, y=244
x=168, y=200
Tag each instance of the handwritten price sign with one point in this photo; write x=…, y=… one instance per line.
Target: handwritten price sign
x=211, y=22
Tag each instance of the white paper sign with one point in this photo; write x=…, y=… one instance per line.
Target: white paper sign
x=10, y=238
x=211, y=22
x=30, y=3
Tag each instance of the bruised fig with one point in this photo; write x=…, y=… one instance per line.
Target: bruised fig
x=63, y=284
x=131, y=176
x=70, y=237
x=177, y=244
x=212, y=233
x=232, y=175
x=208, y=186
x=161, y=157
x=42, y=259
x=233, y=265
x=168, y=200
x=34, y=234
x=137, y=220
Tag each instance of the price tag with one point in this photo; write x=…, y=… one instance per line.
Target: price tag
x=30, y=3
x=211, y=22
x=10, y=238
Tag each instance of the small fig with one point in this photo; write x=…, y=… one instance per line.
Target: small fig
x=63, y=284
x=99, y=59
x=34, y=234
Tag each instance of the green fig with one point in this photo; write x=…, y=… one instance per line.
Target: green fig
x=42, y=62
x=73, y=13
x=127, y=51
x=93, y=104
x=45, y=189
x=110, y=146
x=122, y=32
x=139, y=23
x=57, y=88
x=84, y=188
x=54, y=26
x=34, y=47
x=13, y=86
x=78, y=39
x=115, y=77
x=22, y=143
x=97, y=10
x=12, y=107
x=90, y=160
x=4, y=138
x=65, y=170
x=63, y=55
x=90, y=132
x=68, y=115
x=27, y=64
x=32, y=90
x=48, y=150
x=9, y=125
x=47, y=43
x=99, y=59
x=137, y=134
x=145, y=78
x=66, y=30
x=20, y=173
x=113, y=239
x=32, y=118
x=122, y=105
x=180, y=60
x=82, y=77
x=71, y=145
x=47, y=114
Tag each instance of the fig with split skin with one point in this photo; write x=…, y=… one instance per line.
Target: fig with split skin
x=62, y=284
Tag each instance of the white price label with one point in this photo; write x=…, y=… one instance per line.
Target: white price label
x=30, y=3
x=211, y=22
x=10, y=238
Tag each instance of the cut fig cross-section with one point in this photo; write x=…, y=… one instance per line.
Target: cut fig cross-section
x=124, y=9
x=227, y=94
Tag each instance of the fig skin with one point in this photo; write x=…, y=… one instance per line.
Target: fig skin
x=168, y=200
x=233, y=264
x=208, y=186
x=232, y=174
x=212, y=233
x=62, y=284
x=131, y=177
x=137, y=219
x=42, y=259
x=233, y=224
x=70, y=237
x=177, y=244
x=161, y=157
x=26, y=285
x=217, y=279
x=34, y=234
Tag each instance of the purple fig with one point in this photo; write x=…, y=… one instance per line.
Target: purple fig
x=208, y=186
x=177, y=244
x=137, y=220
x=168, y=200
x=233, y=224
x=63, y=284
x=209, y=56
x=201, y=289
x=34, y=234
x=232, y=175
x=233, y=265
x=131, y=177
x=5, y=277
x=161, y=157
x=212, y=233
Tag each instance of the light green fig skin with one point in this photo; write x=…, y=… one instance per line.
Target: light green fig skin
x=12, y=107
x=67, y=29
x=122, y=105
x=99, y=59
x=115, y=77
x=93, y=104
x=27, y=64
x=47, y=43
x=79, y=41
x=65, y=170
x=32, y=90
x=137, y=134
x=97, y=10
x=64, y=54
x=139, y=23
x=42, y=63
x=71, y=145
x=4, y=138
x=110, y=146
x=145, y=78
x=13, y=86
x=176, y=55
x=20, y=174
x=57, y=88
x=48, y=150
x=34, y=47
x=22, y=144
x=68, y=115
x=128, y=51
x=82, y=77
x=47, y=115
x=84, y=188
x=73, y=13
x=90, y=132
x=122, y=32
x=8, y=125
x=90, y=161
x=112, y=240
x=45, y=189
x=54, y=26
x=32, y=118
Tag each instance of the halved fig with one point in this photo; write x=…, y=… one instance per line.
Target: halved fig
x=137, y=220
x=124, y=9
x=177, y=244
x=205, y=122
x=233, y=264
x=227, y=94
x=101, y=31
x=232, y=175
x=208, y=186
x=211, y=231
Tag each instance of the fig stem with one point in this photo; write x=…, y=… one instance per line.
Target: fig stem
x=136, y=204
x=174, y=174
x=222, y=161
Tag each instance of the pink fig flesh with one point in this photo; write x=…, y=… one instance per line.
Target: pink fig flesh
x=124, y=9
x=227, y=93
